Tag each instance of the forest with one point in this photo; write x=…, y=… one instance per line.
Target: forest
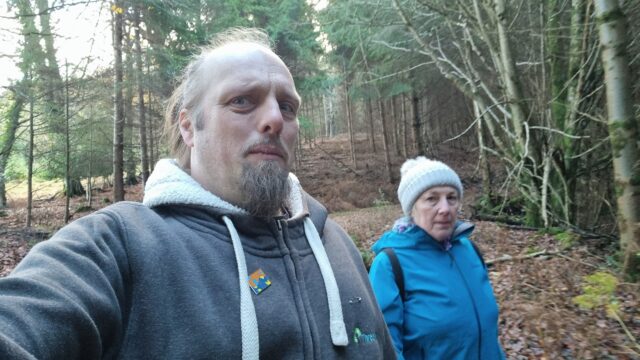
x=539, y=100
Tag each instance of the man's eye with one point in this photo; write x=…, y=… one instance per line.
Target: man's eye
x=287, y=108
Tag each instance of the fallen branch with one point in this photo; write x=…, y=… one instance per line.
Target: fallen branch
x=338, y=161
x=515, y=224
x=521, y=257
x=495, y=218
x=578, y=261
x=26, y=232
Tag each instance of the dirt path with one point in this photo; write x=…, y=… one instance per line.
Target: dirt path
x=539, y=319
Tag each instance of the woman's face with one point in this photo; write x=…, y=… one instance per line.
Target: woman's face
x=435, y=211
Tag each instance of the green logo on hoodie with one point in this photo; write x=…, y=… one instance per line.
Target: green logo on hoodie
x=360, y=337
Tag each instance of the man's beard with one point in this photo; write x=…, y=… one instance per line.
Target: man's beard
x=265, y=188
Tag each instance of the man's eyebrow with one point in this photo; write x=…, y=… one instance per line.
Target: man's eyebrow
x=292, y=95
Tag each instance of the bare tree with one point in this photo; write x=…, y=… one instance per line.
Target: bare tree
x=118, y=105
x=144, y=153
x=623, y=130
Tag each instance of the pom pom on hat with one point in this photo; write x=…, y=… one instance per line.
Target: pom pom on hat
x=419, y=175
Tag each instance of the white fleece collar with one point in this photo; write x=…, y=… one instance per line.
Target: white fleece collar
x=169, y=184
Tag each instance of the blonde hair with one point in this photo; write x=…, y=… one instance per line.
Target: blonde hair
x=192, y=86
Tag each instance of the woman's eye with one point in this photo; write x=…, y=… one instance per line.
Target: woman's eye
x=240, y=101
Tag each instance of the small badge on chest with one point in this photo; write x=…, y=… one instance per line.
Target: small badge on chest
x=259, y=281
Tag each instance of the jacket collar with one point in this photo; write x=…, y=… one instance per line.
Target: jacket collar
x=169, y=184
x=408, y=235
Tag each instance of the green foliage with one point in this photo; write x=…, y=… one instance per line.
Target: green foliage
x=613, y=260
x=551, y=230
x=599, y=290
x=83, y=208
x=531, y=250
x=16, y=168
x=381, y=200
x=512, y=206
x=367, y=257
x=567, y=239
x=307, y=129
x=366, y=254
x=485, y=203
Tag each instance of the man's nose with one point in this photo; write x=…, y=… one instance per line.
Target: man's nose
x=270, y=118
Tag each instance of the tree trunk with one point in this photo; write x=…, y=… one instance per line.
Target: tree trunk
x=90, y=174
x=485, y=171
x=299, y=154
x=144, y=152
x=30, y=163
x=527, y=148
x=325, y=115
x=417, y=132
x=395, y=125
x=53, y=76
x=67, y=149
x=152, y=141
x=385, y=139
x=118, y=105
x=623, y=131
x=352, y=144
x=510, y=78
x=405, y=135
x=7, y=138
x=372, y=141
x=130, y=161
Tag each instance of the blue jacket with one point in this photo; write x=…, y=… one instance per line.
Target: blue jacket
x=450, y=311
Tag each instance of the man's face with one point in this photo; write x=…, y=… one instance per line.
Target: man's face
x=249, y=119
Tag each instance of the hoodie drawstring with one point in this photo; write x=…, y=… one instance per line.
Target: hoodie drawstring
x=248, y=319
x=336, y=320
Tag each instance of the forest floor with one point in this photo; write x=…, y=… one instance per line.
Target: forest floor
x=535, y=275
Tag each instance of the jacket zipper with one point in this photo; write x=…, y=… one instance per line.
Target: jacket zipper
x=473, y=302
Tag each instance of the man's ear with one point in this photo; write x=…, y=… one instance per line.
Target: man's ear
x=186, y=127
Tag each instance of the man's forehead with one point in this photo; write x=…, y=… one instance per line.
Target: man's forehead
x=241, y=51
x=225, y=61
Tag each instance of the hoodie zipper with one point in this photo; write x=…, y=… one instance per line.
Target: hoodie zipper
x=309, y=340
x=473, y=302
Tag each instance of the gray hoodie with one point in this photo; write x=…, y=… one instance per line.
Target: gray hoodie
x=186, y=275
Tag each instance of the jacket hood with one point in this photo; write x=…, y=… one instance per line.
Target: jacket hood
x=405, y=234
x=169, y=184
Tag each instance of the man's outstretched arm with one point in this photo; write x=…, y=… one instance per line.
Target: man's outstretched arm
x=65, y=299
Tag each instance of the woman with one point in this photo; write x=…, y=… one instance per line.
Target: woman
x=447, y=309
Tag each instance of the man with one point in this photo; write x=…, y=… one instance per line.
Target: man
x=226, y=258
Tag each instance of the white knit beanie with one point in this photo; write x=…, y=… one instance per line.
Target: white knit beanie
x=419, y=175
